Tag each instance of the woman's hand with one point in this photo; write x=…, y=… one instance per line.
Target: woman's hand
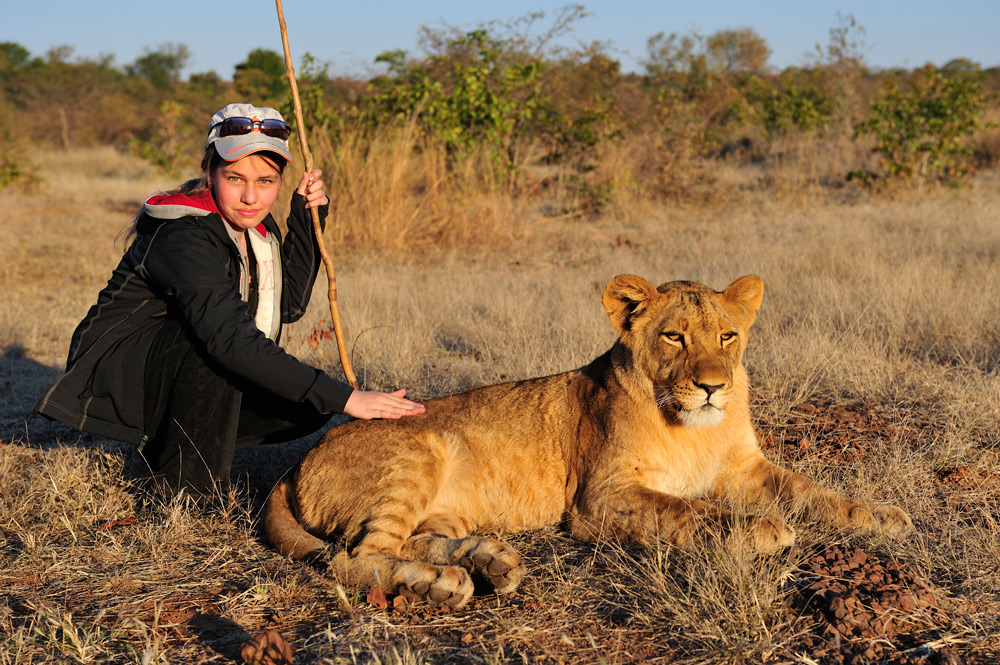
x=368, y=404
x=311, y=189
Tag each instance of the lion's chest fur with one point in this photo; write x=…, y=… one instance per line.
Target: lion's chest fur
x=684, y=461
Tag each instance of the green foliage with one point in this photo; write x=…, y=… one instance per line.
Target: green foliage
x=68, y=103
x=206, y=85
x=577, y=110
x=593, y=198
x=261, y=79
x=791, y=102
x=476, y=95
x=841, y=62
x=808, y=109
x=312, y=81
x=922, y=133
x=724, y=53
x=161, y=67
x=14, y=165
x=174, y=144
x=671, y=54
x=15, y=56
x=13, y=169
x=717, y=84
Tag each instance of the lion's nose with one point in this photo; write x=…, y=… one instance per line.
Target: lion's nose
x=709, y=388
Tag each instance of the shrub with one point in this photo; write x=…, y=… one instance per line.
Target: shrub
x=14, y=172
x=473, y=96
x=14, y=169
x=923, y=133
x=807, y=109
x=174, y=143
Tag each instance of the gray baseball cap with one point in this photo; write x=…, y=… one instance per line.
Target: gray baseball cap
x=238, y=146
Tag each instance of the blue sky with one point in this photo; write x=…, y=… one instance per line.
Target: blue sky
x=348, y=35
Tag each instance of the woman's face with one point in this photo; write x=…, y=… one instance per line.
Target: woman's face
x=245, y=190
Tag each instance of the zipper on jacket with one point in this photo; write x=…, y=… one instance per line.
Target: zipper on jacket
x=244, y=275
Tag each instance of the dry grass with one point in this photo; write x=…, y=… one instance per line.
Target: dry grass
x=394, y=191
x=885, y=306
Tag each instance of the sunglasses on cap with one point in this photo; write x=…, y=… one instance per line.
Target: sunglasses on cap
x=240, y=126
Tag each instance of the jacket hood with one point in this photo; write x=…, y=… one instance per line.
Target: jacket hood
x=175, y=206
x=161, y=208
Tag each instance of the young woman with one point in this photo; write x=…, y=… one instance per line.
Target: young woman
x=180, y=354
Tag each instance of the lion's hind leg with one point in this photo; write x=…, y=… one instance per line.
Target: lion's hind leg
x=414, y=580
x=377, y=552
x=381, y=557
x=442, y=540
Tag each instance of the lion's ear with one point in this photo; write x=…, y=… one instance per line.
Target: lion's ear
x=626, y=296
x=746, y=294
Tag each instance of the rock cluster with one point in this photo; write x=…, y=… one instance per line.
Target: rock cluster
x=870, y=609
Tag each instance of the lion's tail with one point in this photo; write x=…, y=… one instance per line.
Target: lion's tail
x=281, y=528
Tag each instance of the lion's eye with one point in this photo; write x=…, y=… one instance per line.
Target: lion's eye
x=727, y=336
x=675, y=337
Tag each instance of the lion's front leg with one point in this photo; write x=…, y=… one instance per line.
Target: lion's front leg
x=759, y=480
x=642, y=515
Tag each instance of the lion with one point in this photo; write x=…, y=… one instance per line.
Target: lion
x=652, y=442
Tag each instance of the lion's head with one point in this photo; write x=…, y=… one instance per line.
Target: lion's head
x=686, y=340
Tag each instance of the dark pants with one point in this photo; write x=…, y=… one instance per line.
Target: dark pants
x=197, y=414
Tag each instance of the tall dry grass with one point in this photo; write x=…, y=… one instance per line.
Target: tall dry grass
x=399, y=191
x=868, y=301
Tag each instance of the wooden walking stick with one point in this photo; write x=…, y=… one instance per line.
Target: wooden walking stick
x=338, y=329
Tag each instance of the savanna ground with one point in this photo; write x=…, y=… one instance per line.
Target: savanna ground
x=875, y=363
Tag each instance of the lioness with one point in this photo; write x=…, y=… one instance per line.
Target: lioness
x=646, y=443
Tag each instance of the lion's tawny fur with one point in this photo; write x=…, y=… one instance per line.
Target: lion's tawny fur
x=646, y=443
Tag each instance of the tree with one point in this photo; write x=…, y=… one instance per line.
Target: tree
x=671, y=54
x=206, y=86
x=960, y=67
x=260, y=79
x=13, y=55
x=58, y=55
x=844, y=58
x=16, y=86
x=161, y=67
x=737, y=51
x=845, y=51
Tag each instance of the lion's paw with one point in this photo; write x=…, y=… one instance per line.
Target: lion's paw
x=893, y=521
x=770, y=534
x=889, y=520
x=438, y=585
x=496, y=563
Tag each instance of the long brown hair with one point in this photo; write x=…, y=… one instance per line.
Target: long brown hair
x=210, y=161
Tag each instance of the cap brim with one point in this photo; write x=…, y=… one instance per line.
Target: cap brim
x=232, y=148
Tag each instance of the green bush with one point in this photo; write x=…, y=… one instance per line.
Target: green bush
x=807, y=109
x=14, y=172
x=174, y=144
x=474, y=96
x=14, y=167
x=922, y=133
